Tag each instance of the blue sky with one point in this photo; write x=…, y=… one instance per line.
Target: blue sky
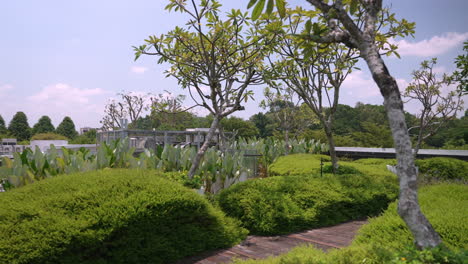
x=67, y=58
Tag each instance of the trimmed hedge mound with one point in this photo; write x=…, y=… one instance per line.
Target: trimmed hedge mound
x=309, y=164
x=445, y=205
x=386, y=238
x=285, y=204
x=109, y=216
x=304, y=164
x=443, y=169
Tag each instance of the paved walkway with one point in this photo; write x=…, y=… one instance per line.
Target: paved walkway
x=258, y=247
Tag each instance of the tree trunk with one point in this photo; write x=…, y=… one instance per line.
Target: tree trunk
x=420, y=134
x=286, y=142
x=203, y=148
x=418, y=143
x=331, y=143
x=408, y=207
x=221, y=138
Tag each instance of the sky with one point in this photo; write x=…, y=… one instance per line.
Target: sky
x=68, y=58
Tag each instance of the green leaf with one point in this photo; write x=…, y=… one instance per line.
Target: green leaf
x=353, y=7
x=269, y=8
x=308, y=26
x=281, y=6
x=316, y=28
x=258, y=9
x=251, y=3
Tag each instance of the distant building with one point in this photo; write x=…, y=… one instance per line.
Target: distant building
x=44, y=145
x=10, y=145
x=86, y=129
x=149, y=139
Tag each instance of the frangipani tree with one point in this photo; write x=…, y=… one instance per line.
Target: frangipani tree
x=286, y=112
x=130, y=106
x=315, y=72
x=215, y=59
x=460, y=76
x=437, y=108
x=366, y=26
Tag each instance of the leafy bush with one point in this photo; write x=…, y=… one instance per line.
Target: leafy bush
x=342, y=169
x=182, y=178
x=437, y=255
x=284, y=204
x=443, y=168
x=109, y=216
x=48, y=136
x=386, y=239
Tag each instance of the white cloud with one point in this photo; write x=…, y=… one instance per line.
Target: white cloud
x=4, y=89
x=402, y=84
x=61, y=93
x=84, y=106
x=434, y=46
x=139, y=69
x=200, y=111
x=359, y=86
x=439, y=70
x=204, y=89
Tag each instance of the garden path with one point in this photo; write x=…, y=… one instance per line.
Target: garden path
x=258, y=247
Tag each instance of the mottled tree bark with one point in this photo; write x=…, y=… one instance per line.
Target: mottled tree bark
x=204, y=147
x=408, y=207
x=420, y=136
x=362, y=37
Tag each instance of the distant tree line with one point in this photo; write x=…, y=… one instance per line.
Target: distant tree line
x=364, y=125
x=43, y=130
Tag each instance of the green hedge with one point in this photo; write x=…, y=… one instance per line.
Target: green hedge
x=386, y=239
x=307, y=164
x=375, y=170
x=443, y=169
x=285, y=204
x=297, y=164
x=109, y=216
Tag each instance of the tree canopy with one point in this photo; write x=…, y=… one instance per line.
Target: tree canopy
x=437, y=108
x=3, y=128
x=216, y=59
x=67, y=128
x=43, y=125
x=19, y=127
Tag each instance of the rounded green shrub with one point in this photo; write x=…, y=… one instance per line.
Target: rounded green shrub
x=443, y=168
x=285, y=204
x=109, y=216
